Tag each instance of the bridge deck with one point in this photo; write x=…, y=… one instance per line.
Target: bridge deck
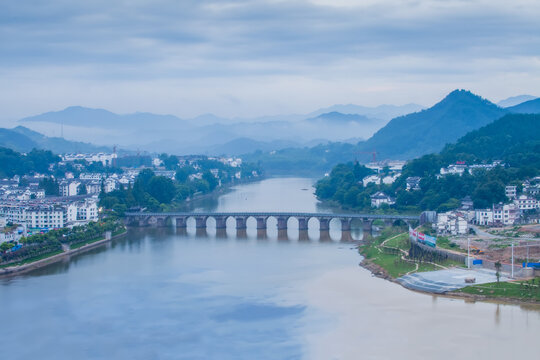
x=273, y=214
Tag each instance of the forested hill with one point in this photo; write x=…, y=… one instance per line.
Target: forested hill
x=23, y=139
x=427, y=131
x=514, y=139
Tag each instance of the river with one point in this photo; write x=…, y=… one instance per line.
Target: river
x=167, y=294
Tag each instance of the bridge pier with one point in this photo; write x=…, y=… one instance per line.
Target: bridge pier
x=241, y=222
x=261, y=222
x=325, y=236
x=324, y=224
x=303, y=235
x=241, y=233
x=200, y=222
x=181, y=222
x=221, y=222
x=282, y=223
x=346, y=224
x=261, y=234
x=367, y=226
x=221, y=233
x=303, y=223
x=282, y=235
x=346, y=236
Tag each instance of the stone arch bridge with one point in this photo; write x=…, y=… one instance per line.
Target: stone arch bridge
x=180, y=219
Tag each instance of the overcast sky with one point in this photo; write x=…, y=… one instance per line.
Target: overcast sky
x=250, y=58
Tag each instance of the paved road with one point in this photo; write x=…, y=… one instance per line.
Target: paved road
x=442, y=281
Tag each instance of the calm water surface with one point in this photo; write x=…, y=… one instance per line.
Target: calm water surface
x=163, y=294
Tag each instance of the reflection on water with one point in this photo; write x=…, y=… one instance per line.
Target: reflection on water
x=212, y=293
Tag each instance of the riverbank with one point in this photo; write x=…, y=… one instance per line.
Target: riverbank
x=54, y=258
x=384, y=258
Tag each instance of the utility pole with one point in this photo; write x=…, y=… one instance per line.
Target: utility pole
x=512, y=259
x=468, y=253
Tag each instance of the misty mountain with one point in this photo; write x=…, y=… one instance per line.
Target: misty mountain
x=203, y=134
x=515, y=100
x=89, y=118
x=527, y=107
x=427, y=131
x=340, y=118
x=383, y=112
x=22, y=139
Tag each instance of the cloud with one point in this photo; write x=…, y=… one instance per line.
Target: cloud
x=248, y=44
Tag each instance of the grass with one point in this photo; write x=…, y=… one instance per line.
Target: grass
x=444, y=243
x=32, y=259
x=521, y=290
x=392, y=262
x=401, y=242
x=82, y=243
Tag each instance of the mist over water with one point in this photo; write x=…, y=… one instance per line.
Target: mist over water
x=163, y=293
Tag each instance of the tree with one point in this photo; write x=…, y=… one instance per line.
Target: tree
x=498, y=270
x=50, y=185
x=162, y=189
x=210, y=179
x=81, y=189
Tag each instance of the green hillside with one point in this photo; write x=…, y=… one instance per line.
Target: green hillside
x=23, y=139
x=514, y=139
x=427, y=131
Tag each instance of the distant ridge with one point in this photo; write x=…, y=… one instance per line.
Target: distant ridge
x=528, y=107
x=515, y=100
x=337, y=117
x=87, y=117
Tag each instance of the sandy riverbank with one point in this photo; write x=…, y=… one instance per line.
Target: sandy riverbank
x=21, y=269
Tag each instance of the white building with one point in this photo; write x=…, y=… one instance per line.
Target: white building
x=455, y=169
x=483, y=217
x=49, y=217
x=105, y=159
x=371, y=179
x=524, y=202
x=510, y=191
x=413, y=183
x=390, y=179
x=68, y=188
x=505, y=214
x=380, y=198
x=453, y=223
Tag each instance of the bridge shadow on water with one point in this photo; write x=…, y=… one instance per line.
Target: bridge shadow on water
x=310, y=235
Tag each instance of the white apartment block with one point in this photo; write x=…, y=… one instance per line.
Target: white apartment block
x=68, y=188
x=505, y=214
x=50, y=217
x=510, y=191
x=524, y=202
x=483, y=217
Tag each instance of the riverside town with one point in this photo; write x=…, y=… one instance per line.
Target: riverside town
x=304, y=179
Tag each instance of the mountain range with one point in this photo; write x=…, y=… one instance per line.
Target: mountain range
x=211, y=134
x=404, y=137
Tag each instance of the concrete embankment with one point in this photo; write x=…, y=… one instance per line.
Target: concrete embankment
x=21, y=269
